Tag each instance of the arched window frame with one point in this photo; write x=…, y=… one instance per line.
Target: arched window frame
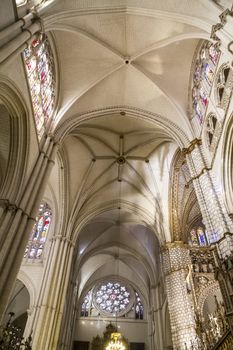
x=212, y=131
x=37, y=58
x=223, y=85
x=39, y=234
x=203, y=76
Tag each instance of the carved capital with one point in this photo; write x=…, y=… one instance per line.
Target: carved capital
x=193, y=144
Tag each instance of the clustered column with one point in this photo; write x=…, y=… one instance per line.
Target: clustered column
x=215, y=217
x=176, y=262
x=50, y=307
x=16, y=221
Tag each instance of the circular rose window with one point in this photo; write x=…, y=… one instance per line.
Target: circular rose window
x=113, y=298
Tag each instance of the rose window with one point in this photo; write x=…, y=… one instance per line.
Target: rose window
x=113, y=298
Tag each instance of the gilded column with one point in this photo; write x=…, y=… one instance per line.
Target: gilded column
x=176, y=262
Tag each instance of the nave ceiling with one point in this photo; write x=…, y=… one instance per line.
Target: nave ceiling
x=123, y=109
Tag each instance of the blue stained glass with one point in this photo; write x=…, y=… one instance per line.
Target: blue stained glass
x=201, y=237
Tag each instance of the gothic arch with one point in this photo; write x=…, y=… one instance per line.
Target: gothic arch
x=228, y=164
x=26, y=280
x=143, y=216
x=13, y=102
x=177, y=134
x=209, y=289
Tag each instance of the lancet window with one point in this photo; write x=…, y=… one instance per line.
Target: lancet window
x=86, y=304
x=39, y=233
x=203, y=78
x=138, y=307
x=198, y=237
x=39, y=63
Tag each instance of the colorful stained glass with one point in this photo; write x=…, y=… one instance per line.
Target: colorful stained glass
x=112, y=297
x=40, y=71
x=203, y=78
x=201, y=236
x=208, y=74
x=193, y=238
x=198, y=237
x=203, y=96
x=39, y=233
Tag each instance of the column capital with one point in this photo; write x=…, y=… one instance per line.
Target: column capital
x=195, y=142
x=175, y=244
x=63, y=239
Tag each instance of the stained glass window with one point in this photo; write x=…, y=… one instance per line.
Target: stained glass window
x=39, y=233
x=198, y=237
x=112, y=297
x=86, y=305
x=138, y=307
x=203, y=78
x=39, y=63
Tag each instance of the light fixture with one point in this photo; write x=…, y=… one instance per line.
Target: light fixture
x=115, y=342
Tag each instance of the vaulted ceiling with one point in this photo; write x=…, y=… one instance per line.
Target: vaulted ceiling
x=123, y=109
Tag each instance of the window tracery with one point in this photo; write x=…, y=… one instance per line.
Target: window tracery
x=138, y=308
x=224, y=84
x=203, y=78
x=213, y=129
x=39, y=233
x=112, y=298
x=86, y=305
x=39, y=63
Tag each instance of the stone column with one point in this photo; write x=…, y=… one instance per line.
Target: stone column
x=157, y=330
x=69, y=317
x=50, y=306
x=17, y=220
x=217, y=222
x=176, y=262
